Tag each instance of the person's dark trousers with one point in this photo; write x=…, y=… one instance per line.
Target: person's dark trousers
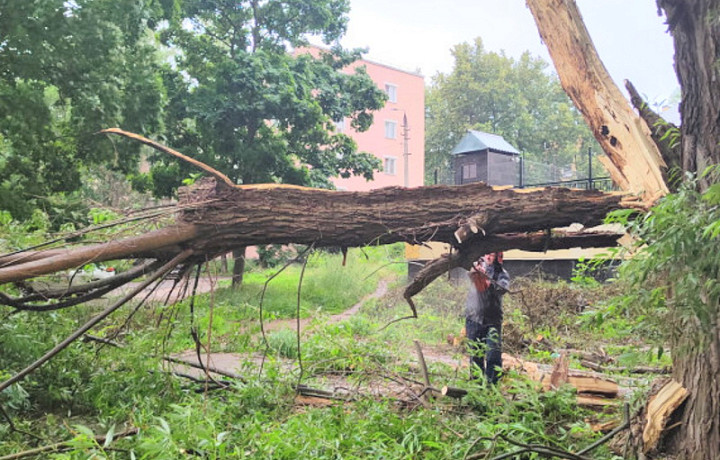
x=485, y=343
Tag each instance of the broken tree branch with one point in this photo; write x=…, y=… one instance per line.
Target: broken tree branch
x=60, y=446
x=634, y=162
x=92, y=322
x=539, y=241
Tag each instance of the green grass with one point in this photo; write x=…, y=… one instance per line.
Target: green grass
x=106, y=387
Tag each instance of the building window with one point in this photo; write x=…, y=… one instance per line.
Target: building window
x=391, y=91
x=389, y=165
x=469, y=171
x=390, y=129
x=340, y=125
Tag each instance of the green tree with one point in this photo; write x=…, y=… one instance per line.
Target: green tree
x=68, y=69
x=242, y=101
x=517, y=99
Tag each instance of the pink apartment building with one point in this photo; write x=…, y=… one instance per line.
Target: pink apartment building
x=397, y=135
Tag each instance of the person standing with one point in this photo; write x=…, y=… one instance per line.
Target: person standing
x=484, y=314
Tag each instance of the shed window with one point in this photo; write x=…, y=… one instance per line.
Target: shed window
x=469, y=171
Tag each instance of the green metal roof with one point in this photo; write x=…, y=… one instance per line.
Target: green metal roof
x=476, y=141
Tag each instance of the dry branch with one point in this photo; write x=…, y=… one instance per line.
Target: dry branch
x=539, y=241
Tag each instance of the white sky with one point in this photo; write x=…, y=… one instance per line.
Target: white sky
x=418, y=34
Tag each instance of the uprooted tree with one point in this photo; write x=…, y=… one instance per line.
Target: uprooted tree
x=641, y=152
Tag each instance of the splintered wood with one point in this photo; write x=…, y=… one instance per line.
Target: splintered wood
x=659, y=409
x=633, y=160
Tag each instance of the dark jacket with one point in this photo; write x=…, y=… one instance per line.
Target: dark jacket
x=484, y=302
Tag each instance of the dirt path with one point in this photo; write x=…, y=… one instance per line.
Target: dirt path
x=278, y=324
x=205, y=284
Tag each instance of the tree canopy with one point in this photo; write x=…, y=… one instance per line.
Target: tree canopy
x=221, y=80
x=516, y=98
x=244, y=101
x=68, y=69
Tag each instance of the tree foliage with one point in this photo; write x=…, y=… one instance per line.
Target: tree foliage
x=240, y=101
x=517, y=99
x=68, y=69
x=677, y=269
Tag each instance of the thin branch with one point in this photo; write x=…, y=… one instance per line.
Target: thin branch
x=262, y=298
x=93, y=338
x=144, y=140
x=92, y=322
x=607, y=437
x=104, y=288
x=81, y=232
x=9, y=421
x=60, y=446
x=423, y=365
x=297, y=315
x=194, y=333
x=203, y=366
x=210, y=322
x=138, y=306
x=117, y=280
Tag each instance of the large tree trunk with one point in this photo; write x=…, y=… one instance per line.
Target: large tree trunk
x=695, y=27
x=696, y=32
x=634, y=161
x=697, y=367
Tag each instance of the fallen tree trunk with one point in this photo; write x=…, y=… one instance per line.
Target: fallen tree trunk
x=234, y=217
x=634, y=162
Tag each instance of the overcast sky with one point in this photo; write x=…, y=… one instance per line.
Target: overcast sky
x=418, y=34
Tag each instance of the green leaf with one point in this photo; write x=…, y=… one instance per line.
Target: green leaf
x=109, y=436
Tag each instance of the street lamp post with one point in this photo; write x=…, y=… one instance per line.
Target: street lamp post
x=406, y=146
x=406, y=152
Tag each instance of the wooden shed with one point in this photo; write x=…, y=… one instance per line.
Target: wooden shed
x=485, y=157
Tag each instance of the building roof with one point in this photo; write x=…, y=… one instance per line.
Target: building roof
x=475, y=141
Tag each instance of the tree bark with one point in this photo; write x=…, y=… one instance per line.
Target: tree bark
x=696, y=34
x=697, y=368
x=214, y=219
x=238, y=266
x=634, y=162
x=695, y=27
